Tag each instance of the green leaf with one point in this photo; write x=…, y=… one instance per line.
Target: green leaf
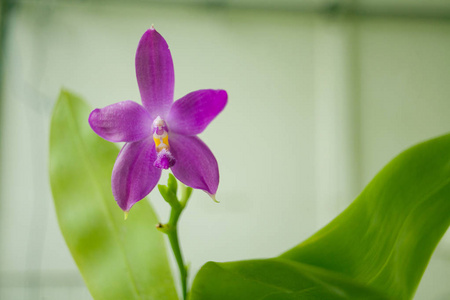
x=382, y=241
x=118, y=259
x=275, y=279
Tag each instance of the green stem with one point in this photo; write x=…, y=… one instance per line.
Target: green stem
x=169, y=194
x=173, y=238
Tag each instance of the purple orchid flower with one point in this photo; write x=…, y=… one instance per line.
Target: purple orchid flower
x=161, y=134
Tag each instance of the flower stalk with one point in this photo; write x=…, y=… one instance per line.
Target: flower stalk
x=169, y=193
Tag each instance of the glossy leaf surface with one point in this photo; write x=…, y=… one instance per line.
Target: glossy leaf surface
x=382, y=241
x=275, y=279
x=118, y=259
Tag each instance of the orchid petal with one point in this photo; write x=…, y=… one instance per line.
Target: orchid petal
x=195, y=164
x=133, y=175
x=125, y=121
x=155, y=74
x=191, y=114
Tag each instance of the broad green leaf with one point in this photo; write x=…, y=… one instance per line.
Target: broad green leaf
x=382, y=241
x=275, y=279
x=118, y=259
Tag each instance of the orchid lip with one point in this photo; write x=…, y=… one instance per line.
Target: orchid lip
x=164, y=159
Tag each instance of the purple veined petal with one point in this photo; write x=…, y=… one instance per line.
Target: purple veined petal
x=125, y=121
x=155, y=74
x=195, y=164
x=134, y=175
x=191, y=114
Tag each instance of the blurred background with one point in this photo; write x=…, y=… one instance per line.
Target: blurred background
x=322, y=94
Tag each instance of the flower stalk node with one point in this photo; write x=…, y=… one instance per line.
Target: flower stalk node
x=165, y=228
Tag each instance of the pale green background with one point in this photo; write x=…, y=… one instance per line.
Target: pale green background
x=319, y=101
